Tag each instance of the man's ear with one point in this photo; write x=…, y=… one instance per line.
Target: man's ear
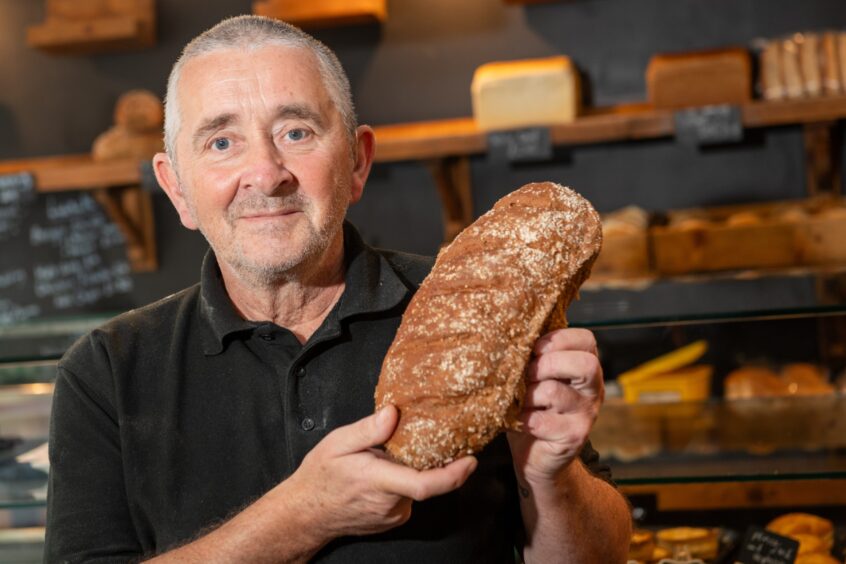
x=365, y=148
x=169, y=181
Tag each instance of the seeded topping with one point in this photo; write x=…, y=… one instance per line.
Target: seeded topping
x=455, y=368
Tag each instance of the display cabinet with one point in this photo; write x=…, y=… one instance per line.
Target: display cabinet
x=28, y=356
x=707, y=446
x=705, y=461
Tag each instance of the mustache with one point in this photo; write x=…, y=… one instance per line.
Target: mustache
x=257, y=203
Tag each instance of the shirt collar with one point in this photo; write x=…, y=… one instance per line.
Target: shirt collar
x=372, y=285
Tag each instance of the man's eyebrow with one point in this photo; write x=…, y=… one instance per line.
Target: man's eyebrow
x=211, y=125
x=300, y=111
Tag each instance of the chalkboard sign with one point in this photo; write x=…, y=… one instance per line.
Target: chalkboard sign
x=764, y=547
x=59, y=254
x=709, y=125
x=520, y=145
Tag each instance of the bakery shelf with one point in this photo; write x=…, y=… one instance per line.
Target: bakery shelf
x=461, y=137
x=115, y=185
x=323, y=13
x=746, y=295
x=760, y=439
x=27, y=348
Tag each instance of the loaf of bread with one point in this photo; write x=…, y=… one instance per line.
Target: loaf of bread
x=678, y=80
x=455, y=369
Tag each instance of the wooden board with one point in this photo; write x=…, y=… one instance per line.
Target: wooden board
x=323, y=13
x=622, y=256
x=801, y=233
x=705, y=496
x=90, y=31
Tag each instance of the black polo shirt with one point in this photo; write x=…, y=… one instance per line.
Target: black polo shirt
x=173, y=417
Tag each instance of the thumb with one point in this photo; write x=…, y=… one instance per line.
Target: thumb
x=368, y=432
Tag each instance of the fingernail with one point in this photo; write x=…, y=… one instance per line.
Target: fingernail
x=382, y=415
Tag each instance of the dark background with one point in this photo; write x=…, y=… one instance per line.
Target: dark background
x=418, y=66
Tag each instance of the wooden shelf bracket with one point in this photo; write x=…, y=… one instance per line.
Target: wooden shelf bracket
x=452, y=178
x=131, y=209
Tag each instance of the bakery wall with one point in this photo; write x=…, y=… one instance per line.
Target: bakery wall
x=418, y=66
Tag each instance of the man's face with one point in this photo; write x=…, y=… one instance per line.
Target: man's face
x=265, y=168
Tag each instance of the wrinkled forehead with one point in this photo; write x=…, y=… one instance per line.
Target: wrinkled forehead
x=233, y=80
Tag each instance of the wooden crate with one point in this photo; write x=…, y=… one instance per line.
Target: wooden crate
x=323, y=13
x=706, y=242
x=623, y=255
x=786, y=234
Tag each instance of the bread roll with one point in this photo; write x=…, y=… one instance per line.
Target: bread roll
x=456, y=367
x=753, y=382
x=791, y=524
x=816, y=558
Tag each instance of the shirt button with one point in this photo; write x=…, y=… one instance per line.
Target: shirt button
x=301, y=372
x=267, y=336
x=307, y=424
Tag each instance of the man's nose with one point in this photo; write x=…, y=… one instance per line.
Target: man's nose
x=265, y=169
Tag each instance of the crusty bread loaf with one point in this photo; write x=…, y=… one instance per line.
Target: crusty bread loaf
x=456, y=367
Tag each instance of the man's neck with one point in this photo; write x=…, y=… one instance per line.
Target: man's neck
x=300, y=302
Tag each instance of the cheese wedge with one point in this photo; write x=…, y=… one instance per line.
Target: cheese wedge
x=525, y=93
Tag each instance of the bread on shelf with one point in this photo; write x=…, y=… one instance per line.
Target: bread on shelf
x=678, y=80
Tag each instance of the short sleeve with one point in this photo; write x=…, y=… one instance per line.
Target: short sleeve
x=88, y=518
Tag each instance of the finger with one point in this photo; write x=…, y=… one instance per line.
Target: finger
x=365, y=433
x=571, y=428
x=552, y=395
x=423, y=484
x=566, y=339
x=579, y=369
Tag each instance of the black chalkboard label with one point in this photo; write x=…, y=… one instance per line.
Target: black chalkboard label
x=764, y=547
x=520, y=145
x=709, y=125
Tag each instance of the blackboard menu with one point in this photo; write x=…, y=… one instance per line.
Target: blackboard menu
x=765, y=547
x=59, y=254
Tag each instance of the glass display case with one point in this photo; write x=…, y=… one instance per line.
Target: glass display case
x=752, y=426
x=697, y=460
x=28, y=356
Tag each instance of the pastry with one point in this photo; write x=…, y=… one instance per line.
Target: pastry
x=696, y=542
x=642, y=545
x=455, y=369
x=816, y=558
x=791, y=524
x=753, y=382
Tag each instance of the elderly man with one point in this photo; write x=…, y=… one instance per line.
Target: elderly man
x=232, y=422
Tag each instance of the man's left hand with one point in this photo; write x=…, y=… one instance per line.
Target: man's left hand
x=564, y=391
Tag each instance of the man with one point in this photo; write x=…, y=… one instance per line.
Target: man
x=231, y=422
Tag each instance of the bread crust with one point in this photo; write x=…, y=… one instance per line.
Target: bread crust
x=455, y=369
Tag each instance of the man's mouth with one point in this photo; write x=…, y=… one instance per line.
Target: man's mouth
x=269, y=214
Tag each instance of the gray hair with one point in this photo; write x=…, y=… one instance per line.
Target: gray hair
x=250, y=33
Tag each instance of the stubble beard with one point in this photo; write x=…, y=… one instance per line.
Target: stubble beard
x=294, y=263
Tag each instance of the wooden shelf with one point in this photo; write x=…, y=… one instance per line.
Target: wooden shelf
x=461, y=137
x=323, y=13
x=116, y=187
x=444, y=145
x=132, y=28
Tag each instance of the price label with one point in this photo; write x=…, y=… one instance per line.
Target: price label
x=709, y=125
x=765, y=547
x=520, y=145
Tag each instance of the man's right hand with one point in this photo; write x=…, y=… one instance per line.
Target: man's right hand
x=346, y=486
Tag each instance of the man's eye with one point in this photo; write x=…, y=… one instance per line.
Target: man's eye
x=221, y=144
x=296, y=134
